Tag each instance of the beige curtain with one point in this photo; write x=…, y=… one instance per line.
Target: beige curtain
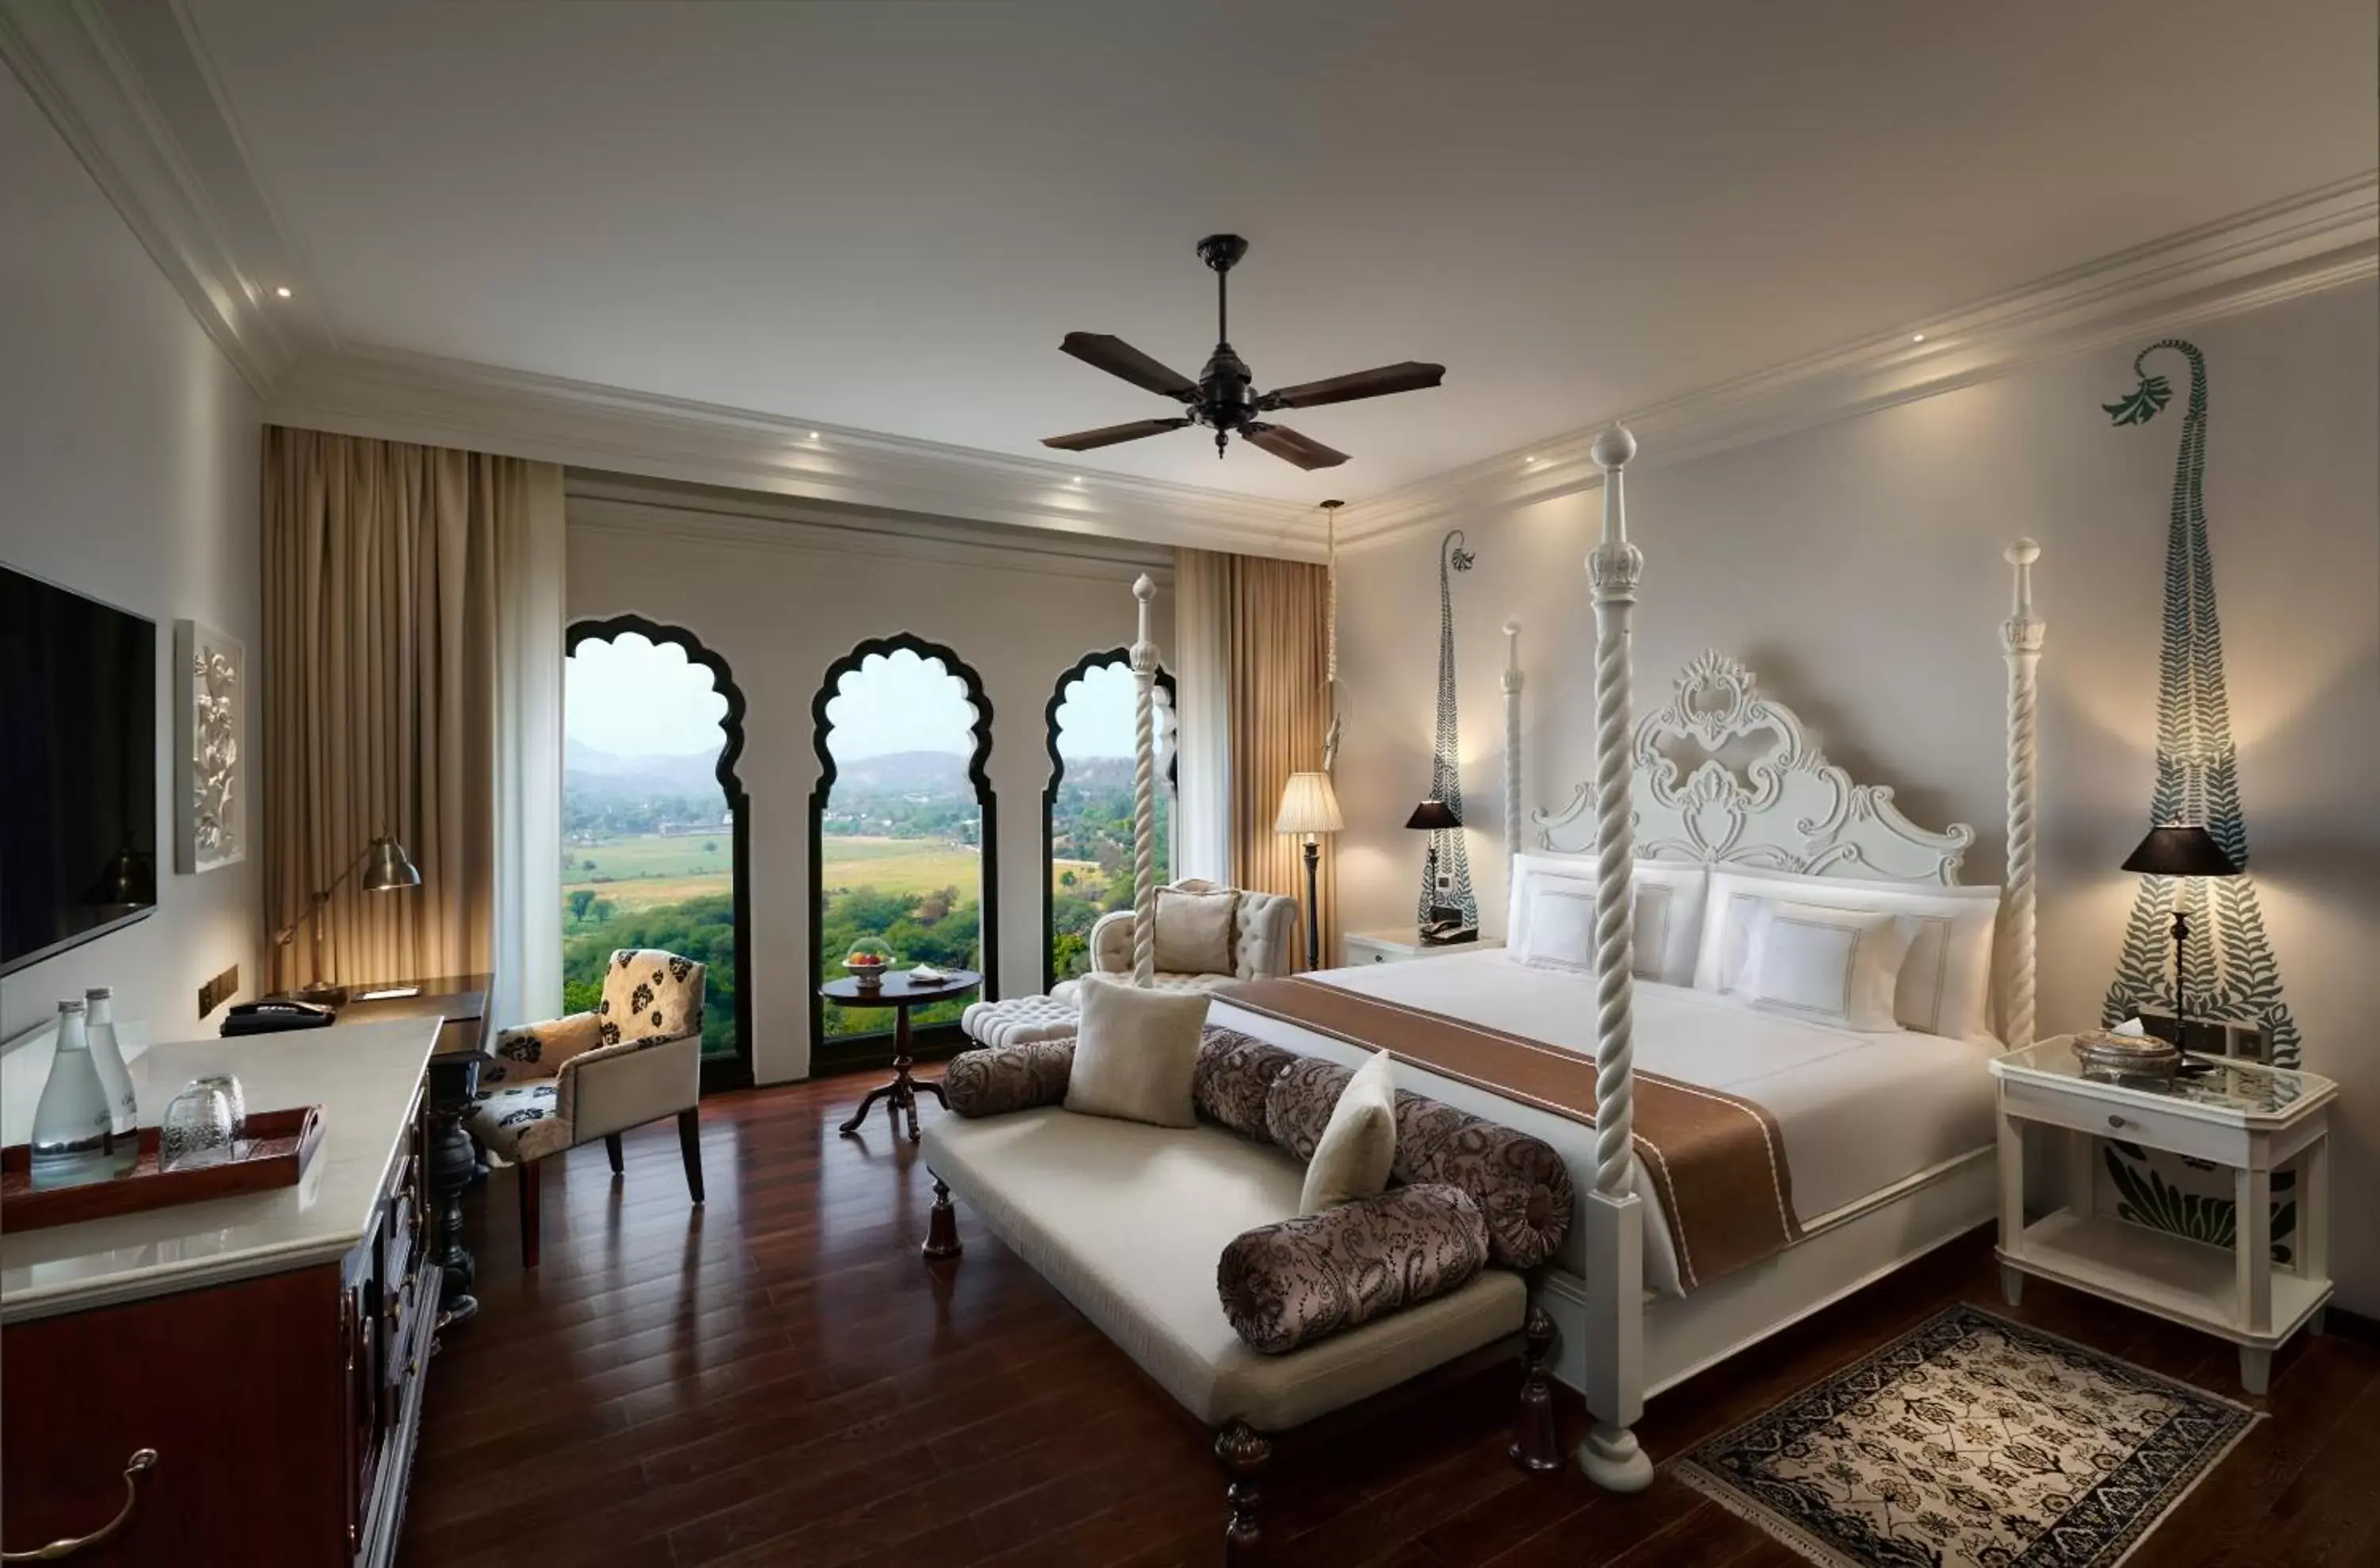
x=1270, y=616
x=383, y=571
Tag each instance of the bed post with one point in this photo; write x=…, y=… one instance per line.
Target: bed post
x=1143, y=792
x=1615, y=1215
x=1512, y=743
x=2020, y=638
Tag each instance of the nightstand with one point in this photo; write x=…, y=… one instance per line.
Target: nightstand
x=2249, y=1117
x=1399, y=946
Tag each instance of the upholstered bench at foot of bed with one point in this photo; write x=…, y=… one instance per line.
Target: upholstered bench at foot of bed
x=1020, y=1020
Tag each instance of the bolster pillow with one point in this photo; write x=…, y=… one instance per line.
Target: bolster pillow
x=1291, y=1283
x=1520, y=1184
x=1235, y=1072
x=998, y=1079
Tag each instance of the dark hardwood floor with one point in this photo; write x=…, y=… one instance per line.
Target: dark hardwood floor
x=778, y=1379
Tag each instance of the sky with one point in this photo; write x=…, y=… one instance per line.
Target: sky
x=638, y=699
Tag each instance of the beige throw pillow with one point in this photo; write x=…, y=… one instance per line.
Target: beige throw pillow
x=1358, y=1145
x=1194, y=931
x=1137, y=1053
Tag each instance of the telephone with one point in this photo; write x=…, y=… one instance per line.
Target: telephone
x=274, y=1013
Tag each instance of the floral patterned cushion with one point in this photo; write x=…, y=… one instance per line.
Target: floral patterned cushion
x=650, y=996
x=1520, y=1184
x=1001, y=1079
x=1287, y=1284
x=520, y=1123
x=537, y=1051
x=1235, y=1072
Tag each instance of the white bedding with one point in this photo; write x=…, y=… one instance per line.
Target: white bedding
x=1860, y=1112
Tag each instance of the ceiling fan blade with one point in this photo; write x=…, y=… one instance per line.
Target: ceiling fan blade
x=1108, y=435
x=1289, y=447
x=1410, y=376
x=1118, y=358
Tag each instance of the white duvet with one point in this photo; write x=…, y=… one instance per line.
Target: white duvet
x=1859, y=1113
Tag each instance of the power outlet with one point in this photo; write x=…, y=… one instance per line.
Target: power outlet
x=212, y=994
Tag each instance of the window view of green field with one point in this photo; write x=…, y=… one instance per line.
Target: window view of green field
x=1090, y=820
x=648, y=845
x=901, y=840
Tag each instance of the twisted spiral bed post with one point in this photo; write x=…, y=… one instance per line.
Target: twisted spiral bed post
x=2021, y=640
x=1610, y=1456
x=1511, y=742
x=1143, y=792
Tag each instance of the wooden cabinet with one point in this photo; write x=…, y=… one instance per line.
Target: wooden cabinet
x=283, y=1409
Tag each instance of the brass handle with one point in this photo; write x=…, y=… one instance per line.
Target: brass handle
x=395, y=1309
x=412, y=1366
x=140, y=1464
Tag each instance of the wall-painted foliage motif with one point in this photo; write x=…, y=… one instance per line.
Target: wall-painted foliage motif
x=1446, y=874
x=2234, y=976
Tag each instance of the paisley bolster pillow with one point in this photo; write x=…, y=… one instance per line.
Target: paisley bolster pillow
x=1001, y=1079
x=1288, y=1284
x=1520, y=1184
x=1235, y=1072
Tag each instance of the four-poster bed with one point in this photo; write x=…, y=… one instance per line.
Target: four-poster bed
x=1633, y=1313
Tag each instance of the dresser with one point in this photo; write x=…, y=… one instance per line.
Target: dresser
x=267, y=1349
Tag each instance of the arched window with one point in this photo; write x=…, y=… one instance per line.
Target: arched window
x=656, y=831
x=903, y=832
x=1087, y=835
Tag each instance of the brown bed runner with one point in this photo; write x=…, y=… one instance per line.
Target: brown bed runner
x=1717, y=1159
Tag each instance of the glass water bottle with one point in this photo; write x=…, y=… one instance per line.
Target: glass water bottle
x=74, y=1127
x=107, y=1055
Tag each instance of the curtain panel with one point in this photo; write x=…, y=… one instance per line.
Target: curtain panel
x=1266, y=622
x=389, y=572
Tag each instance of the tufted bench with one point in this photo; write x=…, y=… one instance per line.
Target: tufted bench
x=1019, y=1019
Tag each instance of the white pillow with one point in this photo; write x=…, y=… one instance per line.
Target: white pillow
x=1194, y=931
x=1836, y=966
x=1667, y=897
x=1359, y=1143
x=1945, y=985
x=1135, y=1052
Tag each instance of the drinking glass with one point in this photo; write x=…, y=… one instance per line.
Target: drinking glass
x=229, y=1084
x=196, y=1130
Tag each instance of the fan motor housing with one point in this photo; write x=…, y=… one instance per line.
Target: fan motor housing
x=1227, y=398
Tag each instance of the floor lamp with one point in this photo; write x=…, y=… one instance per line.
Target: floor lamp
x=1309, y=806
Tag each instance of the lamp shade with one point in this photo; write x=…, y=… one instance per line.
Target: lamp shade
x=1308, y=805
x=2181, y=852
x=387, y=867
x=1432, y=815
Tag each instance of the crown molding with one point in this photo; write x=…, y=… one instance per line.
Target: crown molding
x=405, y=397
x=131, y=91
x=2316, y=240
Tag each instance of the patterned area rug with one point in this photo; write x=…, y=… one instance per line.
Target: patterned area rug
x=1971, y=1441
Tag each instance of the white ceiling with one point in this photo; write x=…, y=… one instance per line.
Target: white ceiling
x=884, y=217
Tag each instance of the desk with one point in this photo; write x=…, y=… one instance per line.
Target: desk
x=461, y=1002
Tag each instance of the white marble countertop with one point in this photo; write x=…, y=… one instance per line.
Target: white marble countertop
x=362, y=1075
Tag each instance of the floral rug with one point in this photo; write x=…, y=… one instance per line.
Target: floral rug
x=1971, y=1441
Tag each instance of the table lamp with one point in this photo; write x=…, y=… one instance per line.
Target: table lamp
x=2180, y=851
x=386, y=868
x=1434, y=817
x=1309, y=806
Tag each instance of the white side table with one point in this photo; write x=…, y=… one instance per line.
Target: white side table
x=2245, y=1116
x=1401, y=946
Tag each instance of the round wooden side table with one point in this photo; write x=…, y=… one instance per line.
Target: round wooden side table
x=899, y=992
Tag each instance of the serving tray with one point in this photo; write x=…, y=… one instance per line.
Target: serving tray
x=278, y=1148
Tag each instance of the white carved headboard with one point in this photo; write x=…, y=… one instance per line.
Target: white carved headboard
x=1725, y=775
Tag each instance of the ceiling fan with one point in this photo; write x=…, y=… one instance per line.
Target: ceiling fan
x=1224, y=398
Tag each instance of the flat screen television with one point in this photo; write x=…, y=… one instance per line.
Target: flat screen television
x=77, y=769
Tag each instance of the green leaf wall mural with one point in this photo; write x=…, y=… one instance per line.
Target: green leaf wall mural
x=2234, y=976
x=1446, y=871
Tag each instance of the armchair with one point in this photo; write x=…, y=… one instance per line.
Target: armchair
x=1264, y=940
x=635, y=1059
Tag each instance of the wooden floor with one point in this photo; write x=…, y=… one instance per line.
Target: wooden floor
x=778, y=1379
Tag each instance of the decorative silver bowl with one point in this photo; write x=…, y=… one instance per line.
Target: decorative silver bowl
x=2128, y=1056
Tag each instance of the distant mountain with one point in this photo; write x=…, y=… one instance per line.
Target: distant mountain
x=590, y=771
x=906, y=773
